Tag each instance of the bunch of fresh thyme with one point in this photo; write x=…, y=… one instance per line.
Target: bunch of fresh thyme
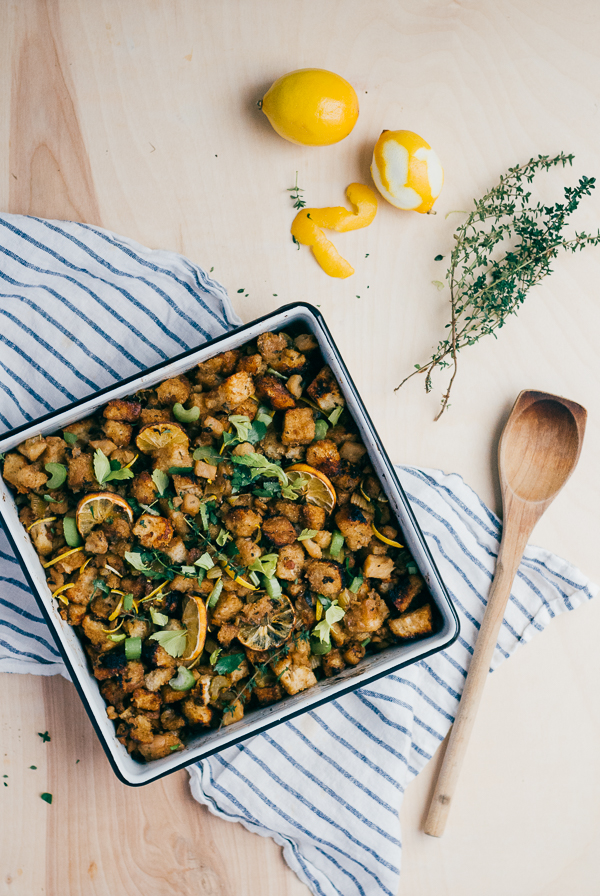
x=504, y=247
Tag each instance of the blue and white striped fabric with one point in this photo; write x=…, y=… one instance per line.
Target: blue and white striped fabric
x=328, y=785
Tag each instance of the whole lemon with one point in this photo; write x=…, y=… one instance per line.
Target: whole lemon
x=406, y=170
x=311, y=106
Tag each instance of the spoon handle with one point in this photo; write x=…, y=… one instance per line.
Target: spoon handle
x=514, y=541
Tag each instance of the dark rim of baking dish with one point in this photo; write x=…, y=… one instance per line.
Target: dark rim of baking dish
x=272, y=723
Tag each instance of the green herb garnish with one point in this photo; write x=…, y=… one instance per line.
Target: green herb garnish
x=214, y=655
x=215, y=593
x=180, y=471
x=336, y=414
x=227, y=664
x=104, y=472
x=183, y=681
x=160, y=480
x=322, y=629
x=295, y=191
x=58, y=475
x=183, y=415
x=505, y=246
x=204, y=562
x=158, y=618
x=207, y=453
x=45, y=737
x=71, y=533
x=70, y=438
x=173, y=642
x=307, y=533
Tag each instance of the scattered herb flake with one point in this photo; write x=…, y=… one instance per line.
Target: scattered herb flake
x=47, y=797
x=45, y=736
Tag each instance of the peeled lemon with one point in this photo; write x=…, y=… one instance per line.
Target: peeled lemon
x=311, y=106
x=406, y=170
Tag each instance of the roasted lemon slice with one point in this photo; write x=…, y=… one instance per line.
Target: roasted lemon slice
x=97, y=508
x=317, y=488
x=156, y=436
x=266, y=623
x=194, y=620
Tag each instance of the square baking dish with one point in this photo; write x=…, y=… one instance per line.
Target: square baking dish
x=131, y=771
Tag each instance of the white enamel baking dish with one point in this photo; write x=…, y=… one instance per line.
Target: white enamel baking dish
x=129, y=770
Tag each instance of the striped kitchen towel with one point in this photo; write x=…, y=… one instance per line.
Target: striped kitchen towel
x=81, y=307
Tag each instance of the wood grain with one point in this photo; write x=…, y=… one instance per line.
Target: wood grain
x=142, y=116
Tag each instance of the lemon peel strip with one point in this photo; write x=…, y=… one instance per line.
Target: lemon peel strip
x=306, y=227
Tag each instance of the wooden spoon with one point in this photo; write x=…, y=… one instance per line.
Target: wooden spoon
x=538, y=451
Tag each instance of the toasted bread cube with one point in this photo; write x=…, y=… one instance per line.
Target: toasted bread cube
x=81, y=472
x=353, y=653
x=55, y=450
x=279, y=531
x=143, y=488
x=96, y=542
x=153, y=531
x=333, y=663
x=325, y=391
x=118, y=432
x=144, y=699
x=243, y=522
x=162, y=745
x=378, y=567
x=170, y=721
x=291, y=562
x=314, y=517
x=306, y=342
x=155, y=415
x=271, y=344
x=196, y=713
x=269, y=386
x=155, y=679
x=412, y=624
x=234, y=391
x=290, y=509
x=249, y=551
x=295, y=678
x=289, y=362
x=366, y=615
x=127, y=411
x=324, y=577
x=324, y=455
x=353, y=525
x=204, y=470
x=405, y=590
x=268, y=695
x=226, y=608
x=174, y=390
x=255, y=365
x=32, y=448
x=298, y=427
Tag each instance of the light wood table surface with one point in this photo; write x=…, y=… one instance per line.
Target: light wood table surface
x=141, y=117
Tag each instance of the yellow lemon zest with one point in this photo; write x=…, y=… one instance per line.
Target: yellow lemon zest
x=306, y=227
x=152, y=593
x=47, y=519
x=61, y=557
x=118, y=608
x=393, y=544
x=110, y=631
x=131, y=463
x=59, y=592
x=319, y=610
x=406, y=171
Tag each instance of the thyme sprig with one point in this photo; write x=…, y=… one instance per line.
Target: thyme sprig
x=295, y=195
x=505, y=246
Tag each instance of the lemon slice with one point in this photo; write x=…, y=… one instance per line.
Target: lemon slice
x=269, y=623
x=156, y=436
x=317, y=489
x=194, y=620
x=97, y=508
